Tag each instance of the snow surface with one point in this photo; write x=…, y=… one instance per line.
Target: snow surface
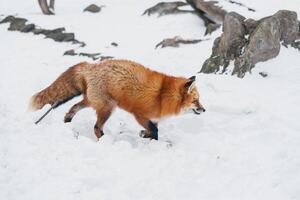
x=246, y=146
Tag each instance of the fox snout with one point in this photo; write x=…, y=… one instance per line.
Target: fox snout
x=198, y=111
x=198, y=108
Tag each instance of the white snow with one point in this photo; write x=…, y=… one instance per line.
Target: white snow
x=246, y=146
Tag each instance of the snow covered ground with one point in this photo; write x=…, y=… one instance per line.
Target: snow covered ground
x=246, y=146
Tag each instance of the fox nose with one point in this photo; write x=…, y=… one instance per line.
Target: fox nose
x=201, y=109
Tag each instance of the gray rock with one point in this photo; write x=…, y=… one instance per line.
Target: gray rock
x=296, y=45
x=211, y=27
x=105, y=57
x=17, y=24
x=61, y=37
x=7, y=19
x=176, y=41
x=228, y=46
x=28, y=28
x=250, y=25
x=289, y=27
x=38, y=31
x=81, y=44
x=232, y=40
x=165, y=8
x=48, y=31
x=93, y=8
x=58, y=34
x=94, y=56
x=262, y=44
x=263, y=74
x=70, y=52
x=114, y=44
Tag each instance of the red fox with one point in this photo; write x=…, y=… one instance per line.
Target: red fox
x=145, y=93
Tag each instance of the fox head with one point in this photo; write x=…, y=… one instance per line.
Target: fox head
x=190, y=98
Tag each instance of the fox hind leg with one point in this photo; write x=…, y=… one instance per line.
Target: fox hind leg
x=74, y=109
x=102, y=117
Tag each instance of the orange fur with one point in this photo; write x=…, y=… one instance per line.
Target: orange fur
x=144, y=93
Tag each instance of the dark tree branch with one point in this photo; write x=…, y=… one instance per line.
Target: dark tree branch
x=45, y=7
x=52, y=4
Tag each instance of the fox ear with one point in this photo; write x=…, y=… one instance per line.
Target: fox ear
x=190, y=84
x=192, y=78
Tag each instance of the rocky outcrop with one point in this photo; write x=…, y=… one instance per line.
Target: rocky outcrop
x=228, y=46
x=58, y=34
x=247, y=42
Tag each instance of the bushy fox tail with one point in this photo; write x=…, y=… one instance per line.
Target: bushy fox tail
x=68, y=85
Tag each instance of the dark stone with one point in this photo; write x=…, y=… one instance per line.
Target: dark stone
x=38, y=31
x=7, y=19
x=94, y=56
x=164, y=8
x=241, y=66
x=68, y=37
x=28, y=28
x=105, y=57
x=61, y=37
x=82, y=44
x=211, y=65
x=70, y=52
x=263, y=74
x=58, y=34
x=57, y=30
x=47, y=31
x=114, y=44
x=175, y=41
x=17, y=24
x=93, y=8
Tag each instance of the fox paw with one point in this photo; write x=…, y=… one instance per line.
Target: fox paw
x=67, y=119
x=145, y=134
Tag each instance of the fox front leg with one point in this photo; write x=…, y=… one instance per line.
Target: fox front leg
x=151, y=128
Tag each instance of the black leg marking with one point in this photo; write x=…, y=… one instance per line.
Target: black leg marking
x=153, y=129
x=68, y=119
x=101, y=131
